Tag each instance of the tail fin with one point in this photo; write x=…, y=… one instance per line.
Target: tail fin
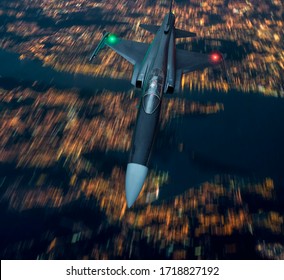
x=171, y=6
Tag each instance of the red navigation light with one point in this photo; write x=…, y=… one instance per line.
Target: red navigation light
x=215, y=57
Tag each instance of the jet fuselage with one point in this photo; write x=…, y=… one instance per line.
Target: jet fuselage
x=154, y=84
x=158, y=69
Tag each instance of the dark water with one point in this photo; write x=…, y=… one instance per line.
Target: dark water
x=245, y=139
x=16, y=72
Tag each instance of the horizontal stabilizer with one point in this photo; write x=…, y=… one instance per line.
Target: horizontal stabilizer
x=184, y=34
x=151, y=28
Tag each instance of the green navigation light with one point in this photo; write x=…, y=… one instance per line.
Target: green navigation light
x=112, y=39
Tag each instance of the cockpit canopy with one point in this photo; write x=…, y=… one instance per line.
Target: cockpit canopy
x=154, y=91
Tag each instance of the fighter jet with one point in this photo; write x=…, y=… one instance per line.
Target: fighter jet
x=158, y=68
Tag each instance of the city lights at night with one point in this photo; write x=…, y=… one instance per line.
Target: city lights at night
x=215, y=183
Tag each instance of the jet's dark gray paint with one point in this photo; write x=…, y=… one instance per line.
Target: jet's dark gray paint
x=158, y=68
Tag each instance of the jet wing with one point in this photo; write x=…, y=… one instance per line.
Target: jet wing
x=132, y=51
x=190, y=61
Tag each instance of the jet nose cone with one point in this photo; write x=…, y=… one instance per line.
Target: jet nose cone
x=135, y=177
